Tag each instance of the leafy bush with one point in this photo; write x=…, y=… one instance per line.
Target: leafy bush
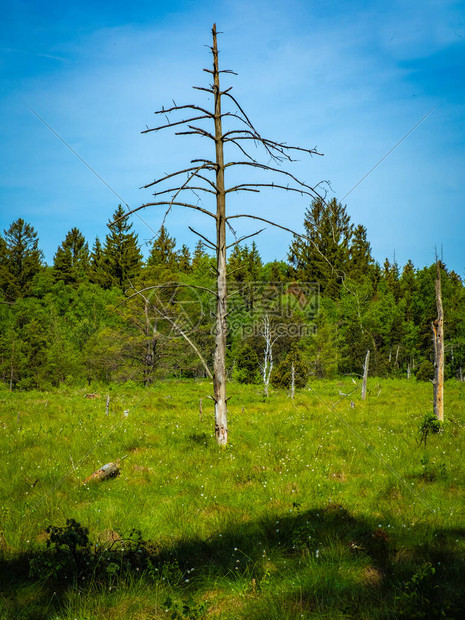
x=426, y=371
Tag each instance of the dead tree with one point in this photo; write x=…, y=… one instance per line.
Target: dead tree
x=365, y=376
x=267, y=366
x=438, y=337
x=205, y=177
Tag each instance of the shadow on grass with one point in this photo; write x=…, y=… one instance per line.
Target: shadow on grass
x=304, y=564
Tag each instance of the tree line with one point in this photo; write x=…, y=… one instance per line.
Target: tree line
x=105, y=314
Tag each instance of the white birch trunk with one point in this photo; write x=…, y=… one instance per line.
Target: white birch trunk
x=365, y=376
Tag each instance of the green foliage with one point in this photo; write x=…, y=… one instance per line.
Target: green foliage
x=426, y=371
x=121, y=256
x=429, y=424
x=247, y=369
x=20, y=259
x=163, y=254
x=296, y=510
x=185, y=610
x=281, y=377
x=71, y=261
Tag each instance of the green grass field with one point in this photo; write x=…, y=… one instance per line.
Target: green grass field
x=299, y=517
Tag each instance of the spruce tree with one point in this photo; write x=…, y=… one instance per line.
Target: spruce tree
x=97, y=271
x=23, y=259
x=71, y=261
x=4, y=273
x=121, y=254
x=254, y=263
x=324, y=258
x=360, y=259
x=162, y=253
x=184, y=260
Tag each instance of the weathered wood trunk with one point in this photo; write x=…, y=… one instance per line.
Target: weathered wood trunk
x=219, y=375
x=268, y=354
x=292, y=381
x=365, y=376
x=438, y=336
x=110, y=470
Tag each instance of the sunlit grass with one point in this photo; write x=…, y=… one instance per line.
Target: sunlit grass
x=308, y=511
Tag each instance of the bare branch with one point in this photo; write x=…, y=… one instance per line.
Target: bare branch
x=195, y=130
x=244, y=152
x=188, y=187
x=181, y=332
x=174, y=174
x=278, y=170
x=210, y=243
x=209, y=165
x=280, y=146
x=248, y=187
x=185, y=107
x=304, y=237
x=262, y=219
x=164, y=203
x=244, y=238
x=207, y=90
x=166, y=285
x=183, y=122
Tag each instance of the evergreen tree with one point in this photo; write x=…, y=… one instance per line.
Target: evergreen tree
x=238, y=263
x=324, y=258
x=121, y=254
x=360, y=259
x=71, y=261
x=97, y=271
x=184, y=260
x=22, y=258
x=162, y=253
x=4, y=273
x=390, y=274
x=200, y=260
x=254, y=263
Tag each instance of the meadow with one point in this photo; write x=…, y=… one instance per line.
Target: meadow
x=321, y=506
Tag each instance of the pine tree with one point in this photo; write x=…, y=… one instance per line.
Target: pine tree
x=254, y=264
x=162, y=253
x=22, y=258
x=324, y=258
x=121, y=254
x=200, y=260
x=184, y=260
x=360, y=259
x=4, y=273
x=237, y=263
x=71, y=261
x=97, y=271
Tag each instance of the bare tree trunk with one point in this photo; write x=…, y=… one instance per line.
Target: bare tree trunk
x=107, y=408
x=397, y=356
x=268, y=355
x=219, y=374
x=438, y=335
x=12, y=365
x=292, y=380
x=408, y=371
x=365, y=376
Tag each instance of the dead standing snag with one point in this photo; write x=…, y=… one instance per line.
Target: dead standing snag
x=208, y=177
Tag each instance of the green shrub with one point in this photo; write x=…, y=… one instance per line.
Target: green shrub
x=426, y=371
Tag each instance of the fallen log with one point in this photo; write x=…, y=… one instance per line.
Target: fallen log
x=92, y=396
x=110, y=470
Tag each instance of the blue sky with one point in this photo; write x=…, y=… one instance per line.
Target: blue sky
x=350, y=78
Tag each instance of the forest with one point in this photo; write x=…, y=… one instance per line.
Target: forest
x=101, y=313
